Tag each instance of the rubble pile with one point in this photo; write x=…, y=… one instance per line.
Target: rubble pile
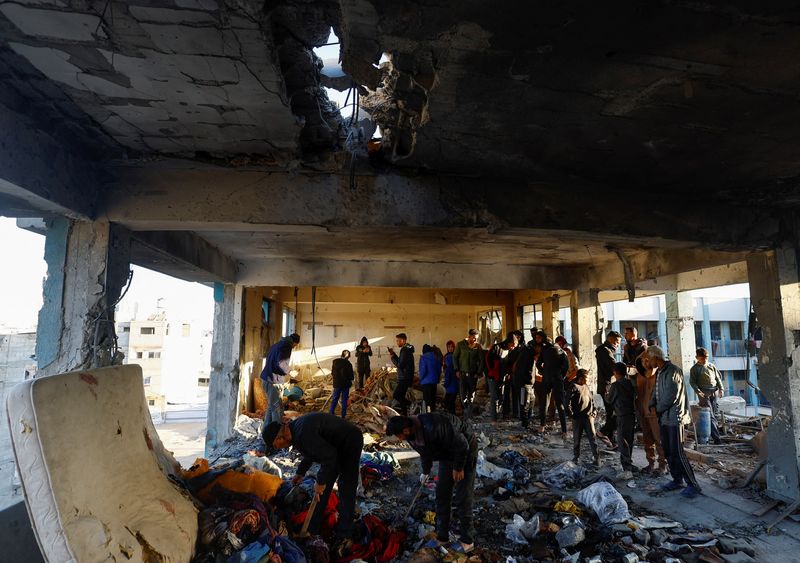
x=529, y=504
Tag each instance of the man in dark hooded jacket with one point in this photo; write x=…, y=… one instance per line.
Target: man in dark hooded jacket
x=606, y=356
x=449, y=440
x=275, y=369
x=405, y=371
x=554, y=365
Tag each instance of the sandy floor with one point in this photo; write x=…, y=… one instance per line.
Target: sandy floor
x=186, y=440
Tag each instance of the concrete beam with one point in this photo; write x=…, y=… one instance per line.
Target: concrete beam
x=183, y=255
x=40, y=174
x=175, y=196
x=388, y=295
x=672, y=269
x=299, y=272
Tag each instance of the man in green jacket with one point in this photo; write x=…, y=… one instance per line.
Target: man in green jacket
x=671, y=405
x=706, y=380
x=468, y=363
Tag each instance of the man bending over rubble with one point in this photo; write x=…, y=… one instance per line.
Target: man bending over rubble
x=449, y=440
x=336, y=445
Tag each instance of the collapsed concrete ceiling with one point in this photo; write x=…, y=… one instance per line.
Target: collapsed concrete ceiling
x=630, y=113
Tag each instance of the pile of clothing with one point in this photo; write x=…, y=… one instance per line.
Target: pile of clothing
x=249, y=516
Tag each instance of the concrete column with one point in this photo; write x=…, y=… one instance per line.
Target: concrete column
x=550, y=307
x=706, y=325
x=587, y=329
x=662, y=328
x=680, y=331
x=88, y=264
x=223, y=392
x=775, y=293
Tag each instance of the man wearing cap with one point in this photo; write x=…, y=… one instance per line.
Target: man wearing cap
x=706, y=381
x=444, y=438
x=671, y=404
x=335, y=444
x=275, y=369
x=468, y=361
x=605, y=354
x=405, y=371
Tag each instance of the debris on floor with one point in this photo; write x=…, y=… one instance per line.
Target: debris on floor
x=529, y=504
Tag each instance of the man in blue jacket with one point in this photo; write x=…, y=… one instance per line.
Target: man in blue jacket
x=275, y=370
x=430, y=370
x=450, y=379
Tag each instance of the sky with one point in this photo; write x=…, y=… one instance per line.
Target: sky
x=22, y=253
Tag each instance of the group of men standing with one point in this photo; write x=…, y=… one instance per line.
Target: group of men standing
x=515, y=369
x=659, y=402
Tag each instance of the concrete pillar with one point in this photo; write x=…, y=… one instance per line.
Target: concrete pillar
x=680, y=332
x=550, y=308
x=775, y=293
x=223, y=392
x=88, y=264
x=662, y=328
x=587, y=329
x=706, y=326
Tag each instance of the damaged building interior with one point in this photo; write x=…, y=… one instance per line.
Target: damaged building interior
x=488, y=156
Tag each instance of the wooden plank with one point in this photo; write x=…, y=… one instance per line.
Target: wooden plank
x=791, y=508
x=766, y=508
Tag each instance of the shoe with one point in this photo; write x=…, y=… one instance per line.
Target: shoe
x=596, y=461
x=689, y=492
x=662, y=470
x=647, y=470
x=461, y=547
x=632, y=469
x=671, y=486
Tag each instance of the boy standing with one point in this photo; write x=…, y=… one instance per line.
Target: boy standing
x=580, y=407
x=622, y=397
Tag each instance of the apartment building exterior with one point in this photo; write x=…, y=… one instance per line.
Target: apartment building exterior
x=175, y=357
x=721, y=326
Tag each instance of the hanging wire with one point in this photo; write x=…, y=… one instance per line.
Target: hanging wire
x=314, y=324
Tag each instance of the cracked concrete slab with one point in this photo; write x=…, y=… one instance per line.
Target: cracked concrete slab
x=53, y=24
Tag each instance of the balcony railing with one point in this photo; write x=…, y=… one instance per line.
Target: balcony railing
x=723, y=348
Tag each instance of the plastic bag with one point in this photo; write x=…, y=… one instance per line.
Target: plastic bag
x=606, y=502
x=489, y=469
x=262, y=463
x=520, y=531
x=293, y=393
x=564, y=475
x=571, y=535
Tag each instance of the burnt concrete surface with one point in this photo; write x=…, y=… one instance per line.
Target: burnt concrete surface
x=546, y=135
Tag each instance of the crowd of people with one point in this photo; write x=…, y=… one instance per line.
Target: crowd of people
x=645, y=389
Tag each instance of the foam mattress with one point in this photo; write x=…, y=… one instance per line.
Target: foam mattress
x=94, y=473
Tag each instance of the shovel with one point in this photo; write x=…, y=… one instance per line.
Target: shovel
x=304, y=530
x=413, y=501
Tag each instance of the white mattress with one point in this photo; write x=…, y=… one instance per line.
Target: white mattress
x=94, y=472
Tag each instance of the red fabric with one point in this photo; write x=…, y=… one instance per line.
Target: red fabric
x=328, y=517
x=384, y=544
